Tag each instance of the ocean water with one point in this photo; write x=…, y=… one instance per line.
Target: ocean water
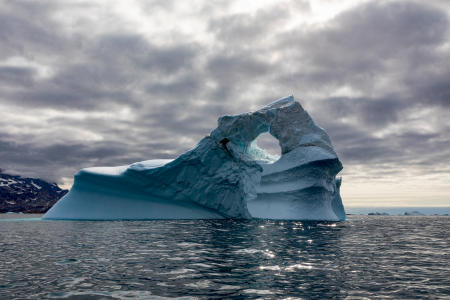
x=366, y=257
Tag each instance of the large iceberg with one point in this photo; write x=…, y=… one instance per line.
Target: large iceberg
x=226, y=175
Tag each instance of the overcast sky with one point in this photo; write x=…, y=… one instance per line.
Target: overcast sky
x=93, y=83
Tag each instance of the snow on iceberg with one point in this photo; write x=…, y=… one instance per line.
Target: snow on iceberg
x=225, y=176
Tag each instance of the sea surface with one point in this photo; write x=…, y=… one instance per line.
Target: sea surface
x=365, y=257
x=398, y=210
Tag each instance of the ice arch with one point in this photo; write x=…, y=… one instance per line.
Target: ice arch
x=221, y=177
x=264, y=148
x=302, y=184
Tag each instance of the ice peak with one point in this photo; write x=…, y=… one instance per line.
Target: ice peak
x=279, y=103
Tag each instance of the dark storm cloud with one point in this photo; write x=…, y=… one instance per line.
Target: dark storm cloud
x=162, y=97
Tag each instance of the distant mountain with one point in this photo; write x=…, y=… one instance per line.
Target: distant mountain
x=27, y=195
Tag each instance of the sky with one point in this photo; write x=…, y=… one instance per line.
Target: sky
x=105, y=83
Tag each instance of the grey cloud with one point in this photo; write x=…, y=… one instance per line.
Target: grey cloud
x=134, y=51
x=70, y=94
x=431, y=87
x=385, y=28
x=234, y=74
x=357, y=145
x=22, y=76
x=438, y=92
x=244, y=29
x=399, y=42
x=180, y=89
x=362, y=45
x=52, y=161
x=25, y=30
x=174, y=92
x=87, y=73
x=112, y=67
x=370, y=112
x=229, y=68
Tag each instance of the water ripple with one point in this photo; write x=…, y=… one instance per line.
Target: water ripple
x=363, y=258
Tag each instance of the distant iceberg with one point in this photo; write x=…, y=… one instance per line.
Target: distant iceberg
x=226, y=175
x=413, y=213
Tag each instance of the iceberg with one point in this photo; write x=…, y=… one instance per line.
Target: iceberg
x=226, y=175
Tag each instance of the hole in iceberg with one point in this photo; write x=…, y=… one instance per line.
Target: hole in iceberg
x=265, y=149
